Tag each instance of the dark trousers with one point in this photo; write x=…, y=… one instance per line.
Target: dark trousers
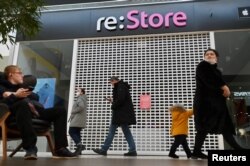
x=58, y=115
x=180, y=140
x=75, y=134
x=201, y=136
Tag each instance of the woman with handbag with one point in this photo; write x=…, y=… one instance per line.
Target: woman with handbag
x=210, y=109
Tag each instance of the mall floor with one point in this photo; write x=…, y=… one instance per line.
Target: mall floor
x=97, y=160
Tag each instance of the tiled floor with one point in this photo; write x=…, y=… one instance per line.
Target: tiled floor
x=97, y=160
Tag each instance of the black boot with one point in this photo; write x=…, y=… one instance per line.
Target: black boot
x=197, y=155
x=79, y=149
x=189, y=155
x=199, y=140
x=172, y=152
x=188, y=152
x=172, y=155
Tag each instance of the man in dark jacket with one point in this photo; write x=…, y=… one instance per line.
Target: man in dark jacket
x=123, y=115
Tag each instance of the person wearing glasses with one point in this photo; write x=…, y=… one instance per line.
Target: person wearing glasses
x=17, y=98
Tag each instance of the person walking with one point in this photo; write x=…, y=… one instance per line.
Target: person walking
x=210, y=110
x=179, y=129
x=123, y=115
x=78, y=119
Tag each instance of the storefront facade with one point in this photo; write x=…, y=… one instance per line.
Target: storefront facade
x=153, y=47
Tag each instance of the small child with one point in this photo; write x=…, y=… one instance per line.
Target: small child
x=179, y=129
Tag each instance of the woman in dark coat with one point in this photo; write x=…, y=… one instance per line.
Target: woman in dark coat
x=123, y=115
x=210, y=110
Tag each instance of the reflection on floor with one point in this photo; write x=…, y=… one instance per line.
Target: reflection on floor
x=97, y=160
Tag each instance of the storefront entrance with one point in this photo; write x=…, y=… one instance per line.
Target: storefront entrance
x=162, y=66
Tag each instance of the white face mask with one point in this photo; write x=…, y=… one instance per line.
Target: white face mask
x=210, y=57
x=78, y=93
x=211, y=61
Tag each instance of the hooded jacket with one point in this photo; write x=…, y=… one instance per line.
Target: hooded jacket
x=122, y=106
x=180, y=121
x=78, y=117
x=7, y=86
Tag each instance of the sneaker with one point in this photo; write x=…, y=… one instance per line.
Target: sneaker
x=31, y=154
x=199, y=155
x=64, y=153
x=173, y=156
x=131, y=153
x=79, y=149
x=100, y=151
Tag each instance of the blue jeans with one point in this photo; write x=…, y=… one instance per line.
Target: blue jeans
x=126, y=131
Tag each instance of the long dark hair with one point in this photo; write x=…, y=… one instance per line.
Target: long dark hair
x=82, y=90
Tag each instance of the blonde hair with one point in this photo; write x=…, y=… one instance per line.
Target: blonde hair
x=177, y=107
x=10, y=69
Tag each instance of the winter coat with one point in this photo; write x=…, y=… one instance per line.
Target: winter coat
x=78, y=117
x=122, y=106
x=210, y=110
x=6, y=86
x=180, y=122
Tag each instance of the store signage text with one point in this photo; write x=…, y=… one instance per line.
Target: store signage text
x=141, y=19
x=238, y=94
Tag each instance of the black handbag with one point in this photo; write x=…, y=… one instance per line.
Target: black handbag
x=238, y=111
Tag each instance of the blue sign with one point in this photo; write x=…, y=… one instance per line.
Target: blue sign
x=45, y=88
